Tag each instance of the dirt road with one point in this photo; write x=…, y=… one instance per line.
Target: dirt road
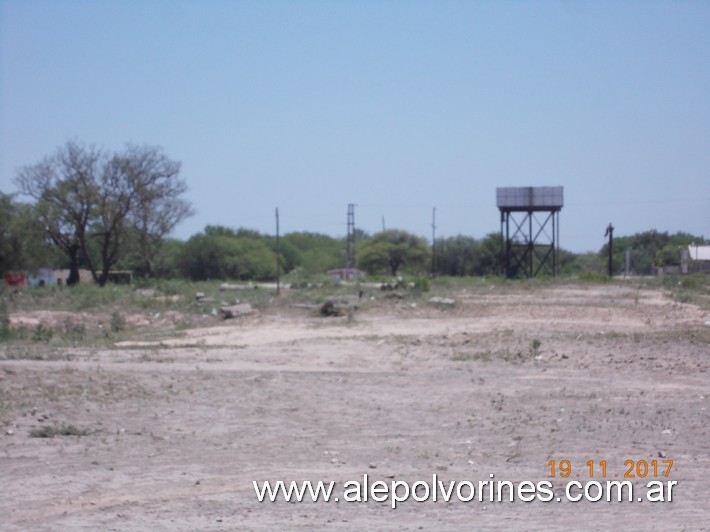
x=501, y=384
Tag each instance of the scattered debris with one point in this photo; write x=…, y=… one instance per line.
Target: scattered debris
x=224, y=287
x=329, y=310
x=394, y=284
x=445, y=301
x=234, y=311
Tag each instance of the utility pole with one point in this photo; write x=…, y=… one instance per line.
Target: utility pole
x=383, y=224
x=278, y=255
x=610, y=234
x=433, y=241
x=350, y=244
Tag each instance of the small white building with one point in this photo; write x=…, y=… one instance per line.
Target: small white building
x=701, y=253
x=61, y=277
x=698, y=259
x=41, y=277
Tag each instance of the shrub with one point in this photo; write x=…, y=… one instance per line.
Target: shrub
x=593, y=277
x=118, y=322
x=4, y=321
x=74, y=332
x=41, y=334
x=63, y=430
x=421, y=284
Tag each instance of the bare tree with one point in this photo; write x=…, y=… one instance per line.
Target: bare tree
x=158, y=206
x=90, y=202
x=64, y=188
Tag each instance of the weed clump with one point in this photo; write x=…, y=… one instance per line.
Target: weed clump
x=62, y=430
x=593, y=277
x=4, y=321
x=42, y=334
x=118, y=322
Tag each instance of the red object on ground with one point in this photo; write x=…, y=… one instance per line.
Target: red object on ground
x=15, y=279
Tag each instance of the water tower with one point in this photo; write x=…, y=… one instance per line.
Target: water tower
x=530, y=229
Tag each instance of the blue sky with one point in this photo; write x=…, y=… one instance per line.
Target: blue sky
x=395, y=106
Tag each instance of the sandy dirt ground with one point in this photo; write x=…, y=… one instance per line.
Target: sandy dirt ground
x=502, y=383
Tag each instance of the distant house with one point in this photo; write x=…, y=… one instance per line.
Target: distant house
x=41, y=277
x=701, y=253
x=85, y=277
x=49, y=277
x=698, y=259
x=61, y=277
x=120, y=277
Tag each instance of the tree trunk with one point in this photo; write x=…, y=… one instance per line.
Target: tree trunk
x=73, y=278
x=148, y=268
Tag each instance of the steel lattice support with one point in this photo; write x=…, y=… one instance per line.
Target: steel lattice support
x=530, y=242
x=530, y=229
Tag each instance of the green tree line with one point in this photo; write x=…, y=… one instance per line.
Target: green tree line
x=100, y=211
x=224, y=253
